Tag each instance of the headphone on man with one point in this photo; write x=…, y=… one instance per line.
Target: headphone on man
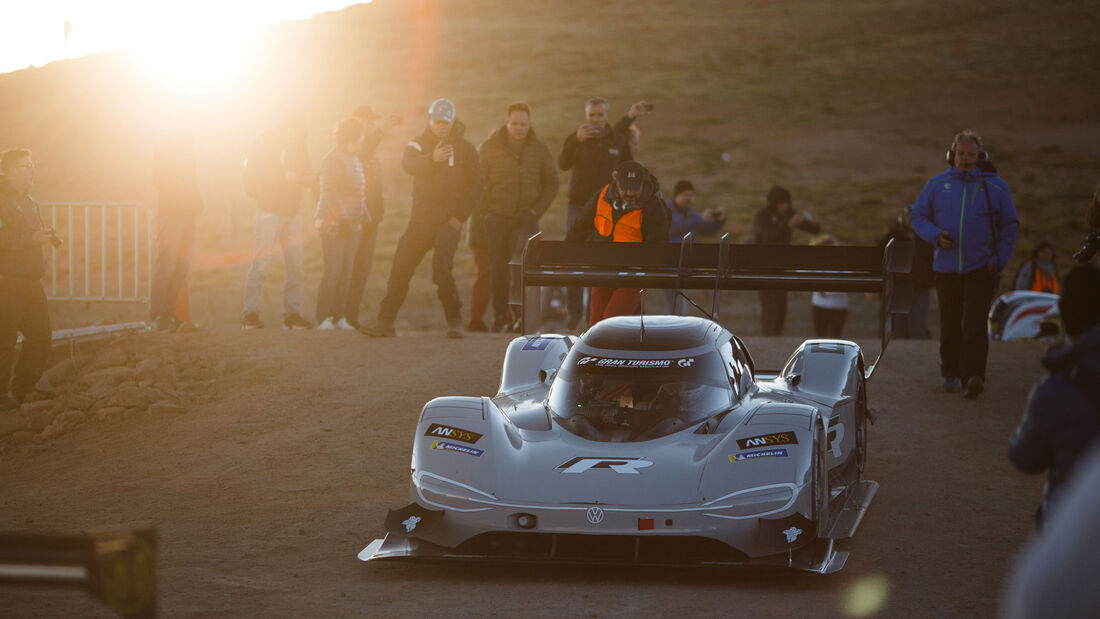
x=983, y=156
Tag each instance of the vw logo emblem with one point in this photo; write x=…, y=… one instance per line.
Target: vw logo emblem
x=594, y=515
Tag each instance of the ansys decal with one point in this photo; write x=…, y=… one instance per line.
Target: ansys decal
x=439, y=430
x=768, y=440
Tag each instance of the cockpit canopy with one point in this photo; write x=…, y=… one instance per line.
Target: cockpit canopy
x=625, y=398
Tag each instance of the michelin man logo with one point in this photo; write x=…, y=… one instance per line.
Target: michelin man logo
x=792, y=534
x=410, y=523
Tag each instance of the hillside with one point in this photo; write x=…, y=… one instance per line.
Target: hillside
x=850, y=104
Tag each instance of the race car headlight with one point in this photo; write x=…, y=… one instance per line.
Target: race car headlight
x=754, y=502
x=449, y=494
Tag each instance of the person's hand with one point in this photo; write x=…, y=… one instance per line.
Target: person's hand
x=945, y=241
x=796, y=219
x=641, y=108
x=455, y=222
x=587, y=131
x=442, y=152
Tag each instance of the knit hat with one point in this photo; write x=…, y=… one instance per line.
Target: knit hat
x=778, y=195
x=681, y=187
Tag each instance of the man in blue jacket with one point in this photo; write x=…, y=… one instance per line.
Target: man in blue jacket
x=968, y=215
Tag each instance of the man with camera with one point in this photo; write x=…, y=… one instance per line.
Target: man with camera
x=22, y=300
x=592, y=152
x=968, y=215
x=446, y=187
x=1063, y=411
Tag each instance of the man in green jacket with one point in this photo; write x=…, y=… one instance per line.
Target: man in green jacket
x=521, y=181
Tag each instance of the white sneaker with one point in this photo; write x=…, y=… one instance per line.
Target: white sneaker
x=345, y=325
x=326, y=324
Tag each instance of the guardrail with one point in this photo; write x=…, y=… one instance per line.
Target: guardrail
x=105, y=247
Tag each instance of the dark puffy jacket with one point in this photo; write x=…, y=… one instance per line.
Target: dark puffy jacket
x=593, y=160
x=1063, y=413
x=654, y=215
x=372, y=176
x=446, y=188
x=770, y=227
x=527, y=181
x=19, y=255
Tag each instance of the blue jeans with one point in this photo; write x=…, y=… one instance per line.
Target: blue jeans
x=285, y=233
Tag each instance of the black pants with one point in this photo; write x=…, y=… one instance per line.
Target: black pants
x=506, y=236
x=964, y=306
x=773, y=311
x=420, y=238
x=23, y=308
x=829, y=322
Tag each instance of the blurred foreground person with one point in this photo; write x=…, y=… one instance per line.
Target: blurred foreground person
x=446, y=188
x=22, y=300
x=520, y=183
x=967, y=213
x=684, y=219
x=592, y=152
x=1063, y=411
x=1055, y=576
x=376, y=129
x=772, y=226
x=1040, y=272
x=175, y=176
x=628, y=210
x=340, y=217
x=913, y=325
x=276, y=173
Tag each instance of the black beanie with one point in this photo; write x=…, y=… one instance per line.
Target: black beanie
x=778, y=195
x=681, y=187
x=1080, y=301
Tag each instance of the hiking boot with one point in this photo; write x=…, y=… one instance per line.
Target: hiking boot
x=951, y=385
x=295, y=321
x=326, y=324
x=454, y=329
x=251, y=320
x=382, y=328
x=344, y=324
x=974, y=387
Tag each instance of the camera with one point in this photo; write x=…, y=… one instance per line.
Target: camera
x=1089, y=248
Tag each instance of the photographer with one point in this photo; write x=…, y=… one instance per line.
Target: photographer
x=592, y=152
x=968, y=215
x=22, y=300
x=684, y=219
x=1063, y=410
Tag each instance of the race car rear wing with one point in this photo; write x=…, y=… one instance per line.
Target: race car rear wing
x=720, y=266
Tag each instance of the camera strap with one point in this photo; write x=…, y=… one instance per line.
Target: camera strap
x=992, y=224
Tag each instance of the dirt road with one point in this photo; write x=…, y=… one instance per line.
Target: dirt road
x=283, y=468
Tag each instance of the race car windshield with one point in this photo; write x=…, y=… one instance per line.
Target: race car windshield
x=626, y=400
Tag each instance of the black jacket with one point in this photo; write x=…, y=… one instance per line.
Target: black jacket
x=593, y=160
x=19, y=255
x=770, y=228
x=269, y=161
x=372, y=176
x=1063, y=413
x=654, y=215
x=443, y=189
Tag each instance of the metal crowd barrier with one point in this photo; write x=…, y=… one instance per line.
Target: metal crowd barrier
x=105, y=246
